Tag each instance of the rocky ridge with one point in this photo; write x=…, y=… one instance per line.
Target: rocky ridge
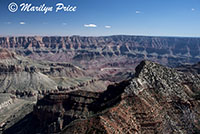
x=158, y=100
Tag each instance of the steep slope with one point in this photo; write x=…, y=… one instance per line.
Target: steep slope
x=158, y=100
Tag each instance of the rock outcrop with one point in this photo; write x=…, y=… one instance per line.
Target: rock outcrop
x=159, y=100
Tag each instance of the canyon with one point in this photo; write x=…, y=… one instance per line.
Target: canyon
x=168, y=50
x=157, y=100
x=110, y=84
x=93, y=54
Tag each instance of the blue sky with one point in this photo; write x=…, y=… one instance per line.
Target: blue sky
x=104, y=17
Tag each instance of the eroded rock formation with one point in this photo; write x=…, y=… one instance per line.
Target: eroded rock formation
x=167, y=50
x=158, y=100
x=27, y=78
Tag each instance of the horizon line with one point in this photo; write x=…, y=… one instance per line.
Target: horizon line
x=162, y=36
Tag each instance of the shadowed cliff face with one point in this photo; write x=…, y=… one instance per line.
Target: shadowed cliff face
x=158, y=100
x=57, y=110
x=166, y=50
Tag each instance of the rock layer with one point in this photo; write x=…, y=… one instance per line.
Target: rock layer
x=167, y=50
x=27, y=78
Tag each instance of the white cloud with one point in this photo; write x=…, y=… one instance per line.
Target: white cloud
x=193, y=9
x=90, y=25
x=22, y=23
x=137, y=12
x=107, y=27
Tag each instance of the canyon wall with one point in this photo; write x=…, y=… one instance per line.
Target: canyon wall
x=168, y=50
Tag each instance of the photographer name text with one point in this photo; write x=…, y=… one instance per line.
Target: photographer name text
x=28, y=7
